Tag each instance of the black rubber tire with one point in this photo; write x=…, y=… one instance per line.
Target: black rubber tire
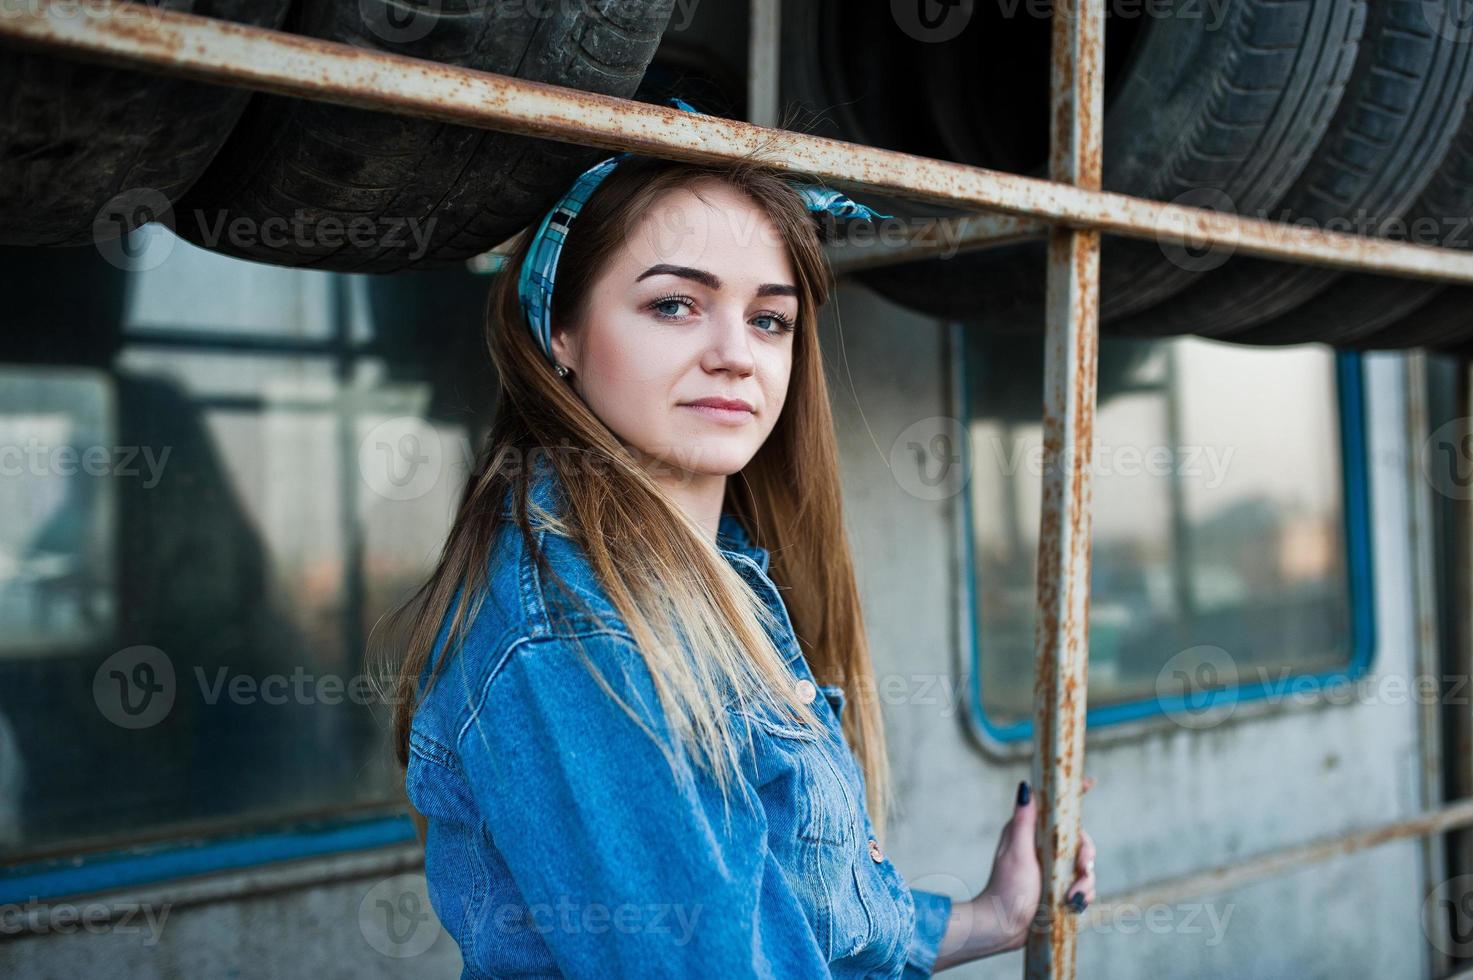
x=1364, y=310
x=75, y=135
x=1444, y=323
x=320, y=167
x=1239, y=108
x=1401, y=112
x=1008, y=385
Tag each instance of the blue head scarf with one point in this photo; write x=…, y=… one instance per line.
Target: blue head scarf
x=535, y=279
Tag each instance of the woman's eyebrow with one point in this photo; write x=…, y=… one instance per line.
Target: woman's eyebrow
x=711, y=281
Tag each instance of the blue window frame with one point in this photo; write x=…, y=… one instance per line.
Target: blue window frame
x=1022, y=358
x=146, y=864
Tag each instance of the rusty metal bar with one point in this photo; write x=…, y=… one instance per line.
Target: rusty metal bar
x=1231, y=876
x=1071, y=349
x=217, y=51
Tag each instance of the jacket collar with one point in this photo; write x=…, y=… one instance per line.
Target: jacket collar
x=731, y=536
x=543, y=488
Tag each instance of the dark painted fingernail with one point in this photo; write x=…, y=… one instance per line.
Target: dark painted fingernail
x=1077, y=902
x=1023, y=793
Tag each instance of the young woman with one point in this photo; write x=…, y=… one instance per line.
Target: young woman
x=610, y=717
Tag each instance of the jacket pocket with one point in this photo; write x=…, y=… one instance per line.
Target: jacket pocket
x=802, y=777
x=845, y=915
x=811, y=797
x=834, y=694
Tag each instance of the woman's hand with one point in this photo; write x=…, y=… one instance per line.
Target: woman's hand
x=1005, y=909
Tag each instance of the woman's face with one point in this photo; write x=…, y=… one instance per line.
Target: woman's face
x=700, y=303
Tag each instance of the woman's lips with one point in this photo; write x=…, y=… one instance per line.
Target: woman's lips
x=725, y=416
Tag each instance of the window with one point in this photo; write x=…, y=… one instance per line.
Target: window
x=217, y=477
x=1230, y=542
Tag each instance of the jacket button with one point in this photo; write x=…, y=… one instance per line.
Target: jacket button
x=875, y=852
x=806, y=691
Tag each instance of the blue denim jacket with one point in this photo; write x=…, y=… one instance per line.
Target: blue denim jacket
x=557, y=842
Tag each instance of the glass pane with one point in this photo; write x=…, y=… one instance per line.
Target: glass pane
x=178, y=286
x=195, y=622
x=216, y=374
x=1218, y=529
x=56, y=510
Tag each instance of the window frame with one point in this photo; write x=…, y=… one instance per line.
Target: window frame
x=1147, y=715
x=187, y=857
x=89, y=865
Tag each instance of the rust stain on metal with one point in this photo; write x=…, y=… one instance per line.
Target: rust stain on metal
x=1064, y=554
x=1230, y=876
x=141, y=35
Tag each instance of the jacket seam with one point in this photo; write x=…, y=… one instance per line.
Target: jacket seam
x=530, y=587
x=433, y=750
x=496, y=669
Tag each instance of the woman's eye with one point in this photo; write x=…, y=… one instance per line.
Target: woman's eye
x=780, y=324
x=668, y=307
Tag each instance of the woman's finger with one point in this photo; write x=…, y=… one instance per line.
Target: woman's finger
x=1084, y=885
x=1086, y=858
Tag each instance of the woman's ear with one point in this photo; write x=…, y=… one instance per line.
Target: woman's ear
x=564, y=350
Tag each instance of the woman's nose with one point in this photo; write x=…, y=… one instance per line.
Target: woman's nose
x=730, y=342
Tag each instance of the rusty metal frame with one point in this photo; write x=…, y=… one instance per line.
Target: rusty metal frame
x=1071, y=349
x=1070, y=208
x=221, y=52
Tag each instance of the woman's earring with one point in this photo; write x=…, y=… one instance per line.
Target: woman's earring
x=562, y=372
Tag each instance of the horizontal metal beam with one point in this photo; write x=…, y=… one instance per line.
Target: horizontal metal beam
x=1230, y=876
x=218, y=51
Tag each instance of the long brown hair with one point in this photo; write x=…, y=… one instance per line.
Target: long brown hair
x=661, y=574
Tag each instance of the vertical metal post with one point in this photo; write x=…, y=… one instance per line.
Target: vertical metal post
x=1422, y=535
x=1070, y=371
x=763, y=61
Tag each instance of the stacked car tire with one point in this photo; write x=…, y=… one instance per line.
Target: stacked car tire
x=1340, y=114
